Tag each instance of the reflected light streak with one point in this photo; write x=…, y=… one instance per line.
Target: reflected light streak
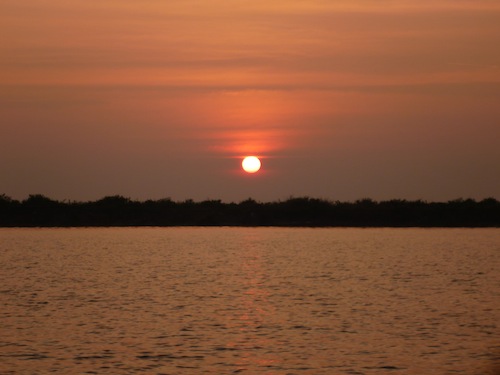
x=256, y=313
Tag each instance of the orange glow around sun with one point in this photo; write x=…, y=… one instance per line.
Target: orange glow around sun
x=253, y=122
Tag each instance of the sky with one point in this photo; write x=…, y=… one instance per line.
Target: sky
x=341, y=100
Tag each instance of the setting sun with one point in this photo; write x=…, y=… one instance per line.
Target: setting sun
x=251, y=164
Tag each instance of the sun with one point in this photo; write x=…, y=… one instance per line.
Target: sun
x=251, y=164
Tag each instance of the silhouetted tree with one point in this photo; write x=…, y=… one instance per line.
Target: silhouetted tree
x=117, y=210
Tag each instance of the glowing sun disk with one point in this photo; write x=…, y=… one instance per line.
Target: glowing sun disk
x=251, y=164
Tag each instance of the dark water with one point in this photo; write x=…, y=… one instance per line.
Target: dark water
x=249, y=301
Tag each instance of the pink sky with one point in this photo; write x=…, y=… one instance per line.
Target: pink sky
x=341, y=99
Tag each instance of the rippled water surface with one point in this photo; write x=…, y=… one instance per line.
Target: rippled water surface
x=249, y=301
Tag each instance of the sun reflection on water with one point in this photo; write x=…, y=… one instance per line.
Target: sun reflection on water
x=256, y=315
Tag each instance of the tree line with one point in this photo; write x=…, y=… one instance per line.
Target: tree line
x=40, y=211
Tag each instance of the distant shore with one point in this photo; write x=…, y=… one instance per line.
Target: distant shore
x=40, y=211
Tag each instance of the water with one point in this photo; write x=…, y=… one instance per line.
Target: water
x=249, y=301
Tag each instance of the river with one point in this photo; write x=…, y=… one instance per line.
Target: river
x=276, y=301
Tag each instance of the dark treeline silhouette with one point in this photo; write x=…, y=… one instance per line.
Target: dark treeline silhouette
x=40, y=211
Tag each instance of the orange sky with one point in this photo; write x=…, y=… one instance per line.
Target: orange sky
x=341, y=99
